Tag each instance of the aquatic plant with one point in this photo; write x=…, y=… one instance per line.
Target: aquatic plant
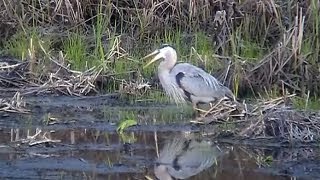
x=127, y=120
x=126, y=124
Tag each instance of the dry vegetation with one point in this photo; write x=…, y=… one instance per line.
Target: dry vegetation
x=267, y=118
x=256, y=45
x=15, y=104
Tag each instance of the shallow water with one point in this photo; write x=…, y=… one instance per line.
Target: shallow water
x=100, y=154
x=90, y=148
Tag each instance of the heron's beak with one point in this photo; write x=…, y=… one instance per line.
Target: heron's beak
x=157, y=57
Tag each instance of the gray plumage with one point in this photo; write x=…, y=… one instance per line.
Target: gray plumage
x=201, y=85
x=184, y=81
x=182, y=158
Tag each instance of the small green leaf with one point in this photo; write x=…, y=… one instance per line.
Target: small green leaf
x=269, y=159
x=125, y=124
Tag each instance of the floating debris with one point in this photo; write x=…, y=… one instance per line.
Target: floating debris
x=15, y=104
x=38, y=138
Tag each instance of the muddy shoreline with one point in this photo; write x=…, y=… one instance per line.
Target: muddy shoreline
x=87, y=139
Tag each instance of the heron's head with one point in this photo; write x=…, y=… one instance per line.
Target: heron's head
x=166, y=53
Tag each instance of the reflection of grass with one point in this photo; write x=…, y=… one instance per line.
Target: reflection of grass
x=128, y=137
x=149, y=114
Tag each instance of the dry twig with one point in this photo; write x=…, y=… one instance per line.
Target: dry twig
x=268, y=118
x=38, y=138
x=15, y=104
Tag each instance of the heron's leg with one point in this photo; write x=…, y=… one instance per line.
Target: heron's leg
x=195, y=107
x=217, y=103
x=197, y=111
x=213, y=106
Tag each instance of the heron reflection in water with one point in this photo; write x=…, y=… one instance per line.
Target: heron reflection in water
x=182, y=158
x=184, y=82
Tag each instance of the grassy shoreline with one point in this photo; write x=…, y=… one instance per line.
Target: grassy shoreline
x=256, y=48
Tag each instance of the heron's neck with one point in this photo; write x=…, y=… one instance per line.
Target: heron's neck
x=161, y=172
x=165, y=66
x=163, y=74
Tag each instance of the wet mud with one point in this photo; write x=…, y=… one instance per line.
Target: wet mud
x=76, y=138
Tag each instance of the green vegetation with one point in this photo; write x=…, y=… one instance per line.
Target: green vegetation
x=128, y=120
x=123, y=125
x=25, y=43
x=255, y=49
x=306, y=103
x=127, y=116
x=128, y=137
x=264, y=160
x=157, y=96
x=75, y=48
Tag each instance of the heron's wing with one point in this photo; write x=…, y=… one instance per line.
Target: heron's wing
x=194, y=159
x=197, y=82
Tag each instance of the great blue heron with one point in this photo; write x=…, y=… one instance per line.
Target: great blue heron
x=182, y=158
x=184, y=81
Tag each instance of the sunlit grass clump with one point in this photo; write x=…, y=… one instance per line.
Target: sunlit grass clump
x=25, y=43
x=76, y=51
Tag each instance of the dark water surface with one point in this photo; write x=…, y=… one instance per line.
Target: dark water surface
x=87, y=145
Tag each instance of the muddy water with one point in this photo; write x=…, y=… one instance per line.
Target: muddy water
x=84, y=144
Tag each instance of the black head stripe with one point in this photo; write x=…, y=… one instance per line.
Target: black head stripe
x=166, y=45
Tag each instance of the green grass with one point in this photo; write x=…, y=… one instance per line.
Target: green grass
x=199, y=52
x=17, y=46
x=150, y=96
x=311, y=41
x=243, y=50
x=76, y=51
x=99, y=30
x=305, y=103
x=202, y=53
x=315, y=34
x=20, y=44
